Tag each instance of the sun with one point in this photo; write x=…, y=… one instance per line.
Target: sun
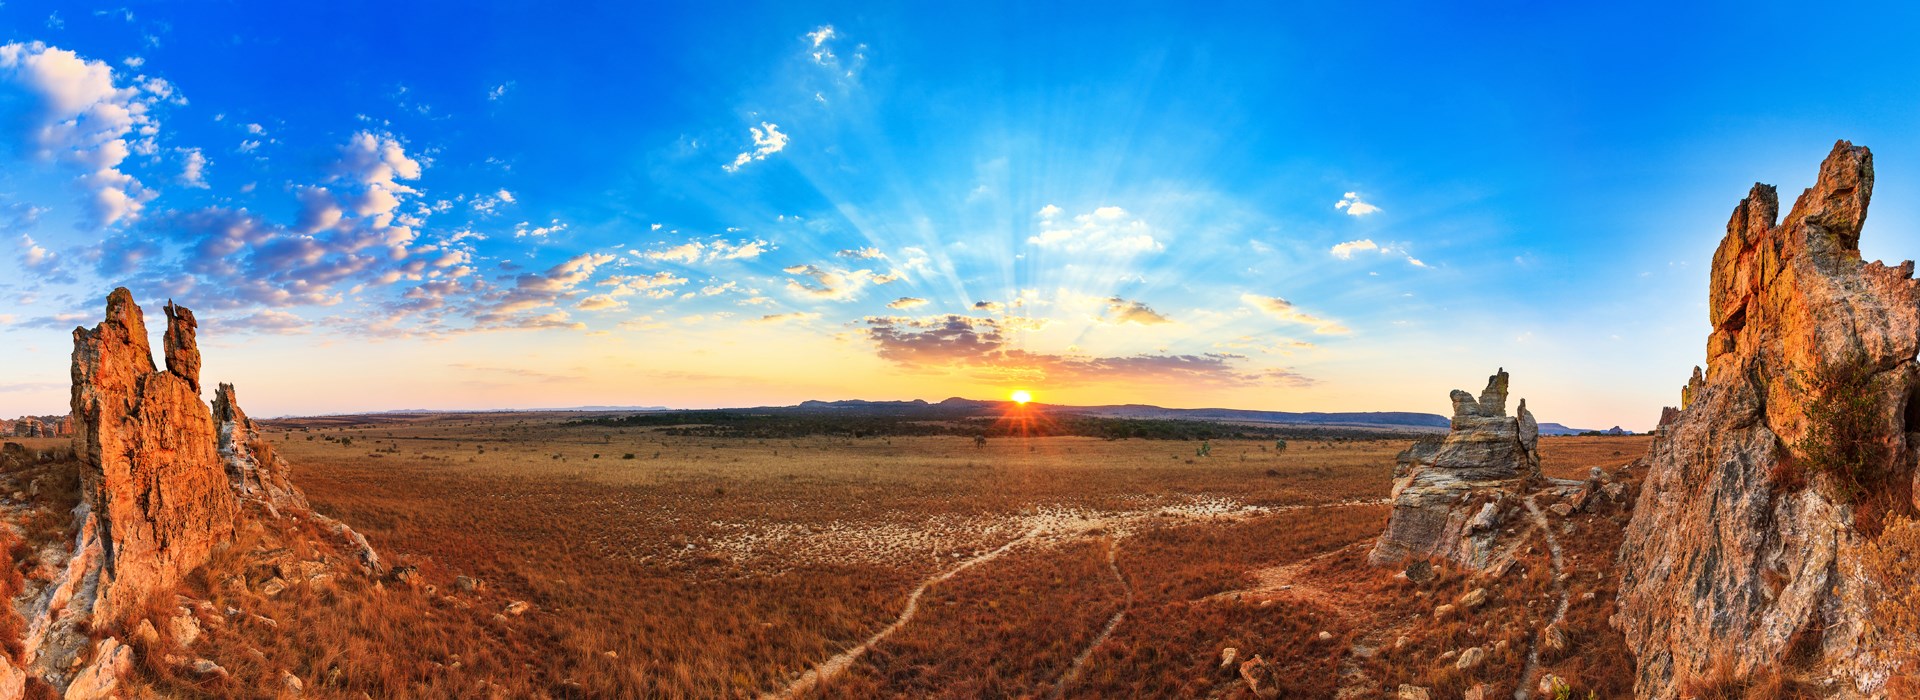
x=1021, y=396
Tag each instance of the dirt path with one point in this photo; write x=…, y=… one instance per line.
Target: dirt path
x=826, y=670
x=1069, y=524
x=1532, y=668
x=1080, y=660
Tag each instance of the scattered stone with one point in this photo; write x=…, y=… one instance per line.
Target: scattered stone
x=1552, y=686
x=1561, y=509
x=1554, y=638
x=273, y=587
x=517, y=607
x=1252, y=671
x=1442, y=611
x=1412, y=692
x=1325, y=635
x=1470, y=658
x=292, y=683
x=466, y=583
x=185, y=628
x=1419, y=571
x=1227, y=656
x=206, y=668
x=1479, y=691
x=100, y=678
x=146, y=635
x=1474, y=598
x=1615, y=492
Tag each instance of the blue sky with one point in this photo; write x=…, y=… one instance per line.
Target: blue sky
x=1298, y=208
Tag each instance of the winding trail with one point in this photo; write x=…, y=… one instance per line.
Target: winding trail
x=1532, y=668
x=826, y=670
x=1080, y=660
x=839, y=663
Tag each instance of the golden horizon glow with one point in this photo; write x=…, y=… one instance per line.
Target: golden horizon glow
x=1021, y=396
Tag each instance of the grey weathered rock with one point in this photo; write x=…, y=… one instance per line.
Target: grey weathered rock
x=1450, y=497
x=1720, y=549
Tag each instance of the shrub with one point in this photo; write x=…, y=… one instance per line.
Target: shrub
x=1841, y=438
x=628, y=455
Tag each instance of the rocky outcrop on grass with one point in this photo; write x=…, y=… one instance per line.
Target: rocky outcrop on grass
x=149, y=474
x=156, y=487
x=1452, y=497
x=1794, y=445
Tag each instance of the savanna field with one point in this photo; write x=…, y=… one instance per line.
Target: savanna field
x=557, y=559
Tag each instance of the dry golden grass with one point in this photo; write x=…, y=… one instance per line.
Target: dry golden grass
x=1570, y=457
x=726, y=567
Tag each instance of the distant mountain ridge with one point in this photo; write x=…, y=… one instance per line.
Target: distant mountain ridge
x=959, y=407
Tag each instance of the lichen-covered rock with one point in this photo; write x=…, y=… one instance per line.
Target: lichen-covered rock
x=1450, y=496
x=1725, y=562
x=148, y=466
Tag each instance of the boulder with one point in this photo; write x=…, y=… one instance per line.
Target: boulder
x=1450, y=496
x=1731, y=538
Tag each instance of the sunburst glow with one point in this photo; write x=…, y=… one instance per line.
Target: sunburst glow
x=1022, y=396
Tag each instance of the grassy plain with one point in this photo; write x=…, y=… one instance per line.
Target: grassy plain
x=677, y=566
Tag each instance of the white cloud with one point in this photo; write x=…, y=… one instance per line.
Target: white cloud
x=526, y=230
x=797, y=316
x=867, y=253
x=193, y=167
x=1125, y=311
x=256, y=129
x=77, y=117
x=1354, y=206
x=1345, y=251
x=717, y=249
x=486, y=203
x=1285, y=311
x=767, y=140
x=1106, y=229
x=906, y=303
x=659, y=285
x=1049, y=211
x=601, y=302
x=833, y=284
x=499, y=91
x=33, y=256
x=822, y=52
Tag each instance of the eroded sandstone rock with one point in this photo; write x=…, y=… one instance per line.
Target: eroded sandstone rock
x=1721, y=547
x=146, y=445
x=1451, y=496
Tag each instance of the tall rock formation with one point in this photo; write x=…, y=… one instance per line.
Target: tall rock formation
x=149, y=472
x=1735, y=555
x=1451, y=496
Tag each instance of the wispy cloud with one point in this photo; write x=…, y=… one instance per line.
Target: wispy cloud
x=1285, y=311
x=767, y=140
x=1354, y=206
x=1346, y=251
x=1108, y=230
